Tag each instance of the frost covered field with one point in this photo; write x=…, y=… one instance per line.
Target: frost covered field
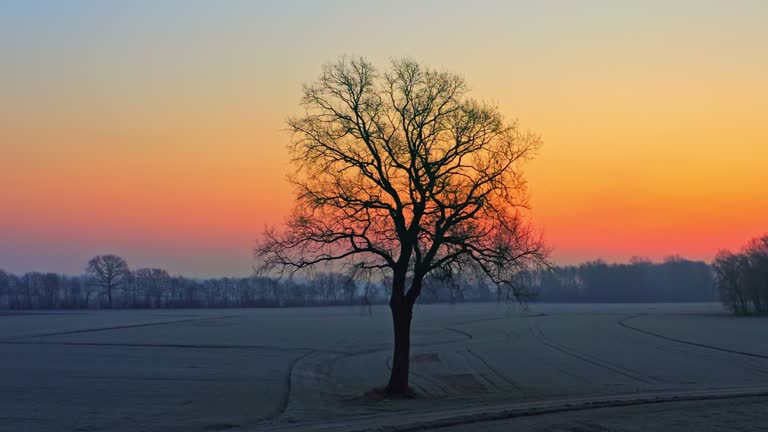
x=278, y=369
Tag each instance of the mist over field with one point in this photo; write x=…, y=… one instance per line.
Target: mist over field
x=674, y=280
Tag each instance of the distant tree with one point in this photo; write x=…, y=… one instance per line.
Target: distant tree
x=729, y=274
x=742, y=278
x=403, y=172
x=477, y=290
x=109, y=272
x=5, y=289
x=443, y=285
x=151, y=284
x=324, y=285
x=756, y=273
x=50, y=290
x=270, y=290
x=367, y=277
x=348, y=288
x=31, y=286
x=74, y=293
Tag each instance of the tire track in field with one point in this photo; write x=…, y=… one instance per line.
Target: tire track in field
x=160, y=345
x=689, y=353
x=495, y=371
x=539, y=334
x=624, y=324
x=118, y=327
x=471, y=361
x=425, y=381
x=288, y=384
x=483, y=361
x=477, y=415
x=468, y=335
x=679, y=350
x=304, y=372
x=692, y=354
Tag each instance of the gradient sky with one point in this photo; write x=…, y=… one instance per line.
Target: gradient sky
x=155, y=129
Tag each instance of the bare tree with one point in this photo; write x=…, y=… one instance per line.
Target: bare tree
x=110, y=272
x=729, y=274
x=756, y=255
x=50, y=290
x=404, y=173
x=742, y=278
x=152, y=283
x=5, y=289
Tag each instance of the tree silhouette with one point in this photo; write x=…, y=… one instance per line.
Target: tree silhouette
x=742, y=278
x=404, y=173
x=110, y=272
x=151, y=283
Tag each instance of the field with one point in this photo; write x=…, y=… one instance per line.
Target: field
x=309, y=369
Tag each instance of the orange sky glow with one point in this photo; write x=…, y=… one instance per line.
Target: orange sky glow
x=158, y=132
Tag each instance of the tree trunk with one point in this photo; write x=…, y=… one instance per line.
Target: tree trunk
x=402, y=312
x=109, y=296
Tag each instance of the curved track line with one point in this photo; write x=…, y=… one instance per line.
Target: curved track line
x=540, y=336
x=493, y=369
x=285, y=400
x=158, y=345
x=566, y=407
x=683, y=341
x=416, y=421
x=118, y=327
x=461, y=332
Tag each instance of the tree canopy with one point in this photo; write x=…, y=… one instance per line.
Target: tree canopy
x=402, y=170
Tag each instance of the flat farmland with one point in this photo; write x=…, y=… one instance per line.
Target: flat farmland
x=310, y=368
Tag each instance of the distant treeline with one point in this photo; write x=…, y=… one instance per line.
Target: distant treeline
x=155, y=288
x=640, y=281
x=108, y=282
